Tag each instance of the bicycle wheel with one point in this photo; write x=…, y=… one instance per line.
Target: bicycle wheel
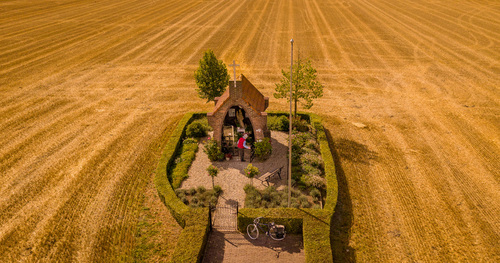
x=252, y=231
x=277, y=236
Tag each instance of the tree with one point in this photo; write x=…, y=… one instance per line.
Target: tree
x=251, y=171
x=305, y=87
x=211, y=77
x=212, y=171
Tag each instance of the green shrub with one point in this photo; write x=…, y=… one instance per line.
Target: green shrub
x=299, y=124
x=295, y=158
x=304, y=202
x=200, y=197
x=294, y=202
x=312, y=159
x=189, y=141
x=191, y=191
x=196, y=129
x=296, y=193
x=213, y=151
x=180, y=193
x=297, y=173
x=217, y=190
x=312, y=144
x=263, y=149
x=315, y=194
x=301, y=138
x=201, y=189
x=314, y=181
x=272, y=198
x=315, y=222
x=310, y=170
x=204, y=122
x=278, y=123
x=272, y=123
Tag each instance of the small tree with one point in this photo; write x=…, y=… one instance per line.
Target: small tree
x=305, y=87
x=251, y=171
x=211, y=77
x=212, y=171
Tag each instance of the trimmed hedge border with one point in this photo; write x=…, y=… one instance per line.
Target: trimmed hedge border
x=314, y=224
x=194, y=221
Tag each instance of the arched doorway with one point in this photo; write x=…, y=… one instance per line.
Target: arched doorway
x=235, y=124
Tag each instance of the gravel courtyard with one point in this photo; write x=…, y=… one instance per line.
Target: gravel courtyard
x=231, y=177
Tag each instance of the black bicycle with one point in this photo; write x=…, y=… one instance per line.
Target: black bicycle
x=276, y=232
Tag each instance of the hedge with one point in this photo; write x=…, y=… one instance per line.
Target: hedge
x=194, y=221
x=326, y=154
x=180, y=172
x=194, y=236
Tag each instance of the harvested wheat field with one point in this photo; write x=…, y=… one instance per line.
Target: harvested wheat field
x=90, y=91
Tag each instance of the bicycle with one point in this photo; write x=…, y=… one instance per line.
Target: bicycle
x=276, y=232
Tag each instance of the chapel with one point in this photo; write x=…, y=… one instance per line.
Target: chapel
x=240, y=109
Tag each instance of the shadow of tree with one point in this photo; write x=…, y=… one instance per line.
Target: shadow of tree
x=352, y=151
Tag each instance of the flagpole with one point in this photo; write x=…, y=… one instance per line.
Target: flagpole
x=290, y=131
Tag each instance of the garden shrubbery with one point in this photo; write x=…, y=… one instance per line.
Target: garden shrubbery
x=272, y=198
x=277, y=123
x=281, y=123
x=300, y=124
x=183, y=162
x=199, y=197
x=307, y=164
x=198, y=128
x=213, y=151
x=263, y=149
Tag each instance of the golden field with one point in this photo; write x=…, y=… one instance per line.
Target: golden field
x=90, y=91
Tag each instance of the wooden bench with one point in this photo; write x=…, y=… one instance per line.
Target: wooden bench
x=267, y=176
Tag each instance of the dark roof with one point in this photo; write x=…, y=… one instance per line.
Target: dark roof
x=249, y=94
x=252, y=96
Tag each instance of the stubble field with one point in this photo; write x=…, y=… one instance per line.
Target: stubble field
x=90, y=90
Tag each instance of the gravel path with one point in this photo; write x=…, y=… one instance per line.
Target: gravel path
x=231, y=177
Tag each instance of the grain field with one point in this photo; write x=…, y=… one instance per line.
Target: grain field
x=90, y=90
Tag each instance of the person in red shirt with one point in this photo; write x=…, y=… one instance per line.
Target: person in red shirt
x=242, y=145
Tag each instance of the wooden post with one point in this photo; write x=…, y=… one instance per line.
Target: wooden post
x=290, y=131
